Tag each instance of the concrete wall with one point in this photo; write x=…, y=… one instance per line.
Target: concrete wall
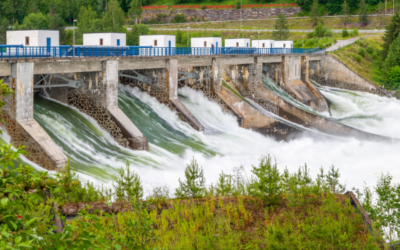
x=329, y=71
x=109, y=39
x=219, y=15
x=36, y=37
x=198, y=42
x=238, y=42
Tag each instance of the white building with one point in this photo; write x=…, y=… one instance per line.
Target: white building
x=161, y=41
x=283, y=44
x=104, y=39
x=238, y=42
x=33, y=37
x=205, y=42
x=269, y=44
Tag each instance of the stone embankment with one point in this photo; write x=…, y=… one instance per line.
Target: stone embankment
x=166, y=15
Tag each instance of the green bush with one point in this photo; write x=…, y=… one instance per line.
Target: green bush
x=358, y=58
x=310, y=35
x=328, y=33
x=394, y=77
x=354, y=32
x=345, y=33
x=203, y=7
x=370, y=49
x=361, y=52
x=193, y=186
x=179, y=18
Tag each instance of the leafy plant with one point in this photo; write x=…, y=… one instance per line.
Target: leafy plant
x=345, y=33
x=224, y=186
x=361, y=52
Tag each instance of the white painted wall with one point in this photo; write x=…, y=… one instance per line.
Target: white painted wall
x=243, y=42
x=162, y=40
x=36, y=37
x=283, y=44
x=198, y=42
x=268, y=44
x=109, y=39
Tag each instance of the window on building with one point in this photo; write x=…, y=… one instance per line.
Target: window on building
x=237, y=44
x=27, y=40
x=155, y=43
x=205, y=44
x=101, y=41
x=284, y=45
x=263, y=45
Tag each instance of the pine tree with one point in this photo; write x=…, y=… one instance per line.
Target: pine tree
x=314, y=13
x=392, y=32
x=332, y=180
x=281, y=28
x=363, y=17
x=346, y=11
x=128, y=185
x=194, y=184
x=224, y=185
x=136, y=31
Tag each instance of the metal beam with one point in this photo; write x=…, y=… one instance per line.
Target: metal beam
x=189, y=75
x=76, y=84
x=139, y=77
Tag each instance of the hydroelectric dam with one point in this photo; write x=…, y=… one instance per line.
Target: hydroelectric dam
x=103, y=108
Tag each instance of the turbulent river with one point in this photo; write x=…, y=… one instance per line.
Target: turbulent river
x=223, y=145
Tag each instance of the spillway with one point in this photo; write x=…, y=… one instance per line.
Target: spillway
x=223, y=145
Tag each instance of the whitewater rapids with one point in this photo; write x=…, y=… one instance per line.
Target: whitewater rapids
x=223, y=145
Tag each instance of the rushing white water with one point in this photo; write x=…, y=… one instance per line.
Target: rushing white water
x=223, y=145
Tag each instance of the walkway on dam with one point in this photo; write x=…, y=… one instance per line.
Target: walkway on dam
x=266, y=30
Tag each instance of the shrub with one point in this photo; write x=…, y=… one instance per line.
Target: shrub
x=354, y=32
x=224, y=185
x=358, y=58
x=310, y=35
x=394, y=77
x=238, y=5
x=328, y=33
x=203, y=7
x=361, y=52
x=319, y=30
x=345, y=33
x=370, y=49
x=179, y=18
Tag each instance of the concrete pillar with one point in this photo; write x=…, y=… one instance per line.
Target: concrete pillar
x=22, y=127
x=254, y=74
x=171, y=67
x=110, y=87
x=217, y=67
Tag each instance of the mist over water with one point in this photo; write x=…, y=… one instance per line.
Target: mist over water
x=223, y=145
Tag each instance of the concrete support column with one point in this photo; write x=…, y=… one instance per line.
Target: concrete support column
x=136, y=140
x=254, y=74
x=22, y=127
x=171, y=67
x=217, y=67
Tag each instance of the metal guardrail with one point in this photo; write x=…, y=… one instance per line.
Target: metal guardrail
x=12, y=52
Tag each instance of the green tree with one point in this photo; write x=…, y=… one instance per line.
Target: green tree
x=194, y=184
x=88, y=22
x=136, y=10
x=114, y=18
x=35, y=21
x=304, y=4
x=393, y=77
x=179, y=38
x=224, y=185
x=334, y=6
x=128, y=185
x=363, y=16
x=13, y=10
x=319, y=30
x=346, y=13
x=281, y=28
x=391, y=33
x=4, y=26
x=267, y=185
x=391, y=61
x=137, y=30
x=314, y=13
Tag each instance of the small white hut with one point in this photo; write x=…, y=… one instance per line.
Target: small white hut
x=268, y=44
x=206, y=42
x=104, y=39
x=238, y=42
x=283, y=44
x=162, y=41
x=33, y=37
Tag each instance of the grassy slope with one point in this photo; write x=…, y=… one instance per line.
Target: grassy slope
x=368, y=67
x=303, y=23
x=296, y=222
x=214, y=2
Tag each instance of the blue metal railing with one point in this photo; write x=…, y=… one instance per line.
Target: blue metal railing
x=21, y=52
